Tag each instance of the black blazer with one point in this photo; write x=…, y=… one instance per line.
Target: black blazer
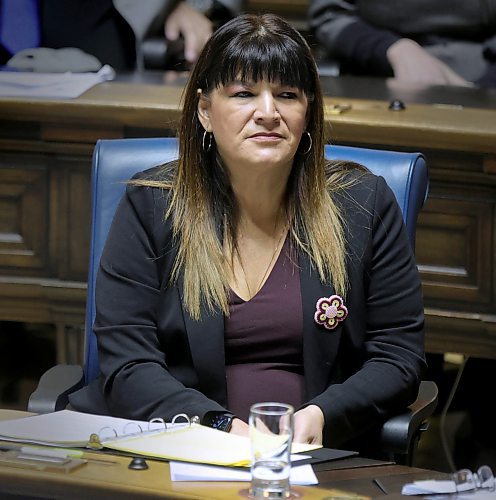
x=156, y=361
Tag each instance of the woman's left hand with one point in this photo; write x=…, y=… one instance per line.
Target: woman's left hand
x=309, y=424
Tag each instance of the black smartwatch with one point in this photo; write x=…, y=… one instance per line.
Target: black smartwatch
x=220, y=420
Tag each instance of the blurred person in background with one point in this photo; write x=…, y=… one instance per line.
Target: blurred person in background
x=445, y=42
x=116, y=32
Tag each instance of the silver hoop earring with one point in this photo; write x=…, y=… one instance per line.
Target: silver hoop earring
x=310, y=143
x=207, y=147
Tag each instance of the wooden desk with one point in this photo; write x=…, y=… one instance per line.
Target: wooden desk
x=98, y=481
x=45, y=158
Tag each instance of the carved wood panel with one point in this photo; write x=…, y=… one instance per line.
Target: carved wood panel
x=455, y=252
x=24, y=228
x=70, y=216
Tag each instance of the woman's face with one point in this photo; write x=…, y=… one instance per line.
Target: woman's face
x=255, y=124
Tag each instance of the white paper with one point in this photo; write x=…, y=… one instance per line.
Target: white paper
x=434, y=487
x=429, y=486
x=68, y=428
x=301, y=475
x=51, y=85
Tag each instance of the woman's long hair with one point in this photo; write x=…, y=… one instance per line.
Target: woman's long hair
x=203, y=207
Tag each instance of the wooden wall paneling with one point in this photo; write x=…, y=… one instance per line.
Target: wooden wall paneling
x=43, y=278
x=455, y=253
x=23, y=215
x=78, y=230
x=70, y=209
x=456, y=232
x=454, y=330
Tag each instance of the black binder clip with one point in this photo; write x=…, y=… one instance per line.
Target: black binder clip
x=138, y=463
x=396, y=105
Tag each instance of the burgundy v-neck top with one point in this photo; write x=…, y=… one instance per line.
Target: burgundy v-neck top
x=264, y=341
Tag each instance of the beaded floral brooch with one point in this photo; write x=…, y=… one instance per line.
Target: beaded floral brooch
x=330, y=311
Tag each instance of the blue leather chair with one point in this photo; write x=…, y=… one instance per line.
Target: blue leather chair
x=115, y=161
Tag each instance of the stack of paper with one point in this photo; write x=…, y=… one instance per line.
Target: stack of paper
x=428, y=487
x=435, y=487
x=51, y=85
x=195, y=443
x=184, y=442
x=67, y=428
x=300, y=474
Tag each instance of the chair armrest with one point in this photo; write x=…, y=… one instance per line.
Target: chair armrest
x=400, y=432
x=54, y=387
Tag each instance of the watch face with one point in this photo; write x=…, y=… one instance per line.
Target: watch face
x=203, y=6
x=222, y=422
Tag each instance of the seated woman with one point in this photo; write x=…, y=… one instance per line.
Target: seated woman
x=252, y=269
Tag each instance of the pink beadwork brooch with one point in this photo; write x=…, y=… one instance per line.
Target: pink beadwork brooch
x=330, y=311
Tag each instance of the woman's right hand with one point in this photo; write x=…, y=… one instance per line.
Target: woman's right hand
x=411, y=63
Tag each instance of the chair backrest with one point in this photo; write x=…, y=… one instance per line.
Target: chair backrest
x=405, y=173
x=115, y=161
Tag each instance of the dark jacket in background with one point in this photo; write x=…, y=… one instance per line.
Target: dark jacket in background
x=112, y=30
x=357, y=33
x=93, y=26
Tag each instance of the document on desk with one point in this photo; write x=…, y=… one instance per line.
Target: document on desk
x=51, y=85
x=300, y=474
x=179, y=441
x=194, y=443
x=437, y=487
x=66, y=428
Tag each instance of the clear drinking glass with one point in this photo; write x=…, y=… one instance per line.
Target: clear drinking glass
x=271, y=435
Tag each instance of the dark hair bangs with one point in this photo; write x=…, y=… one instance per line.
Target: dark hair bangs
x=281, y=61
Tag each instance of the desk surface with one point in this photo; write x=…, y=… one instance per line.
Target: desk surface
x=382, y=89
x=114, y=480
x=99, y=481
x=134, y=102
x=352, y=87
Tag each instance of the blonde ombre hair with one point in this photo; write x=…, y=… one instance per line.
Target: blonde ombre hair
x=202, y=205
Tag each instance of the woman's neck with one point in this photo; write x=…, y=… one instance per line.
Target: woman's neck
x=261, y=228
x=259, y=188
x=261, y=205
x=259, y=239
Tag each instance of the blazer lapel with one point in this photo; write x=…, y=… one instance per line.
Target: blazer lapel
x=320, y=346
x=206, y=342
